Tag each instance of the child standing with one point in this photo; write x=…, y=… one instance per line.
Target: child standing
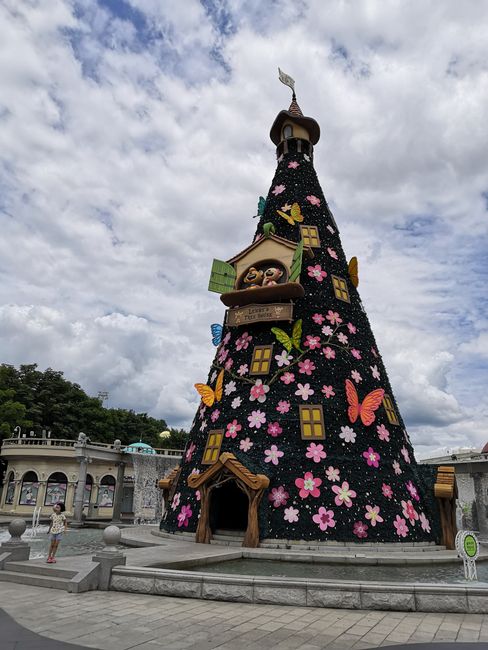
x=57, y=527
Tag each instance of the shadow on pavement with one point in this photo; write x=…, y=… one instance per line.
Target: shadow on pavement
x=15, y=637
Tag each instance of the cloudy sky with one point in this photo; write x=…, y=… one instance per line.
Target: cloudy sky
x=134, y=145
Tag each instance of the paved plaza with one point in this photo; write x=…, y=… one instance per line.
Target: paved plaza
x=119, y=621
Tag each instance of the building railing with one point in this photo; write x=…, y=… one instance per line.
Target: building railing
x=56, y=442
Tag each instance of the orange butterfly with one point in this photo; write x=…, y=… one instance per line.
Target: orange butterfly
x=365, y=410
x=211, y=395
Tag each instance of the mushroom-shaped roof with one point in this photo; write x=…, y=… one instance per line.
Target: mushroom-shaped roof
x=139, y=448
x=485, y=449
x=294, y=114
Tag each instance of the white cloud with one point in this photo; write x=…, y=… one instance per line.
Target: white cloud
x=130, y=156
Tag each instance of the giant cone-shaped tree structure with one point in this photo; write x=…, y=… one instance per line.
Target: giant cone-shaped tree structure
x=301, y=437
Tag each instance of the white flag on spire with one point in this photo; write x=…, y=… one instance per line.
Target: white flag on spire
x=286, y=79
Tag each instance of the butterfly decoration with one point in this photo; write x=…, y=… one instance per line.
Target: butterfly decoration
x=211, y=395
x=295, y=215
x=366, y=409
x=289, y=342
x=261, y=206
x=353, y=271
x=216, y=330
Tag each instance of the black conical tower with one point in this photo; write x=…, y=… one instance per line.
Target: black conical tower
x=322, y=424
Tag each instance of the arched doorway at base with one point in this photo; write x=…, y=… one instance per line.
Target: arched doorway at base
x=229, y=506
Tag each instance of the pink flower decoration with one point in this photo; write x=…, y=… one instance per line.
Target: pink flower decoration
x=324, y=518
x=293, y=164
x=242, y=369
x=374, y=353
x=223, y=354
x=342, y=338
x=233, y=429
x=360, y=529
x=312, y=342
x=333, y=317
x=328, y=391
x=243, y=341
x=352, y=328
x=215, y=415
x=287, y=378
x=291, y=515
x=396, y=467
x=304, y=391
x=409, y=512
x=424, y=522
x=375, y=372
x=313, y=200
x=413, y=491
x=344, y=494
x=226, y=338
x=316, y=452
x=273, y=454
x=373, y=514
x=401, y=526
x=316, y=272
x=176, y=501
x=308, y=485
x=278, y=189
x=229, y=363
x=283, y=406
x=332, y=253
x=329, y=353
x=258, y=391
x=387, y=491
x=318, y=318
x=274, y=429
x=189, y=452
x=198, y=495
x=256, y=419
x=332, y=474
x=405, y=454
x=306, y=367
x=327, y=330
x=245, y=444
x=383, y=433
x=279, y=496
x=356, y=376
x=355, y=353
x=184, y=516
x=372, y=457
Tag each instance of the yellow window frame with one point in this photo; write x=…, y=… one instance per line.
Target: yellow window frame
x=390, y=410
x=212, y=448
x=310, y=236
x=261, y=360
x=312, y=424
x=340, y=288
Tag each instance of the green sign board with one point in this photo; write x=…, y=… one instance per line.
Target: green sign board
x=470, y=545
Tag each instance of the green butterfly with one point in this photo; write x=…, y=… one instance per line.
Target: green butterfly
x=290, y=342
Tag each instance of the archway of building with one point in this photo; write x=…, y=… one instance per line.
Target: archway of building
x=57, y=484
x=10, y=488
x=106, y=491
x=29, y=489
x=229, y=505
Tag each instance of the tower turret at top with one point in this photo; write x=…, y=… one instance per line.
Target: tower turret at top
x=292, y=129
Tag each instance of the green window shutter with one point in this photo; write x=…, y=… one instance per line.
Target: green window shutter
x=222, y=277
x=296, y=265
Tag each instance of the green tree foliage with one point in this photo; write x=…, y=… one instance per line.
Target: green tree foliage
x=36, y=400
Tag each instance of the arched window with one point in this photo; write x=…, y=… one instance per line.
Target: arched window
x=106, y=491
x=29, y=489
x=288, y=131
x=9, y=495
x=56, y=489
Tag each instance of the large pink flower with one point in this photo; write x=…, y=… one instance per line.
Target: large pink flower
x=308, y=485
x=333, y=317
x=409, y=512
x=304, y=391
x=306, y=367
x=233, y=429
x=291, y=514
x=287, y=378
x=316, y=272
x=273, y=455
x=256, y=419
x=312, y=342
x=401, y=526
x=324, y=518
x=373, y=514
x=372, y=457
x=387, y=491
x=245, y=444
x=318, y=318
x=383, y=433
x=279, y=496
x=243, y=341
x=313, y=200
x=329, y=353
x=316, y=452
x=189, y=452
x=258, y=391
x=344, y=494
x=274, y=429
x=413, y=490
x=184, y=516
x=283, y=406
x=360, y=529
x=424, y=522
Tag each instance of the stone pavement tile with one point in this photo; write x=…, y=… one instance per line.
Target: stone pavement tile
x=467, y=635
